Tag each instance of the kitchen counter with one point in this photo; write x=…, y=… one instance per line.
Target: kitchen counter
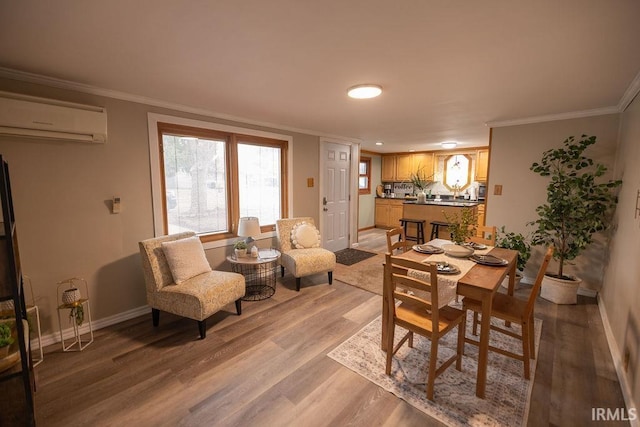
x=459, y=203
x=435, y=211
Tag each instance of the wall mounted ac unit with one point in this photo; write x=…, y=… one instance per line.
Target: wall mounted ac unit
x=30, y=116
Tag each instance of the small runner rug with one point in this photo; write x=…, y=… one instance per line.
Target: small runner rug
x=352, y=256
x=507, y=393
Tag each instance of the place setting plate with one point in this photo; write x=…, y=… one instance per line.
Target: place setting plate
x=489, y=260
x=427, y=249
x=446, y=268
x=477, y=246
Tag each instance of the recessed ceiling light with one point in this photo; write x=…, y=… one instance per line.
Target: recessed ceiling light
x=449, y=144
x=364, y=91
x=378, y=143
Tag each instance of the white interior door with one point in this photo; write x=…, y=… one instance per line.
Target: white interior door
x=335, y=195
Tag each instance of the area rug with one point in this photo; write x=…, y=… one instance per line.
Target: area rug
x=366, y=274
x=507, y=393
x=352, y=256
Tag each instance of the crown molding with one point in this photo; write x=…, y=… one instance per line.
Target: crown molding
x=123, y=96
x=552, y=117
x=630, y=94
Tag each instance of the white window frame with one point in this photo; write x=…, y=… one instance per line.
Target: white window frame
x=156, y=176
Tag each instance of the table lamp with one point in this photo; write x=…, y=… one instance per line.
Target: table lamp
x=249, y=227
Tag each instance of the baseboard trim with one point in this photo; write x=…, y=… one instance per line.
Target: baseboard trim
x=618, y=364
x=54, y=337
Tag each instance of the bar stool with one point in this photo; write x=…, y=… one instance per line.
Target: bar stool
x=419, y=237
x=435, y=228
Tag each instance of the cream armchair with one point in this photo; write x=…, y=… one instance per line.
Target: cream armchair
x=196, y=297
x=301, y=254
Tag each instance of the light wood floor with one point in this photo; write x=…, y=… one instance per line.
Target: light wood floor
x=269, y=367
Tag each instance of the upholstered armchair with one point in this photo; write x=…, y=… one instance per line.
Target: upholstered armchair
x=302, y=255
x=179, y=280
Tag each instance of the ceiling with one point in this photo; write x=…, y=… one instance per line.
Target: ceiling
x=447, y=67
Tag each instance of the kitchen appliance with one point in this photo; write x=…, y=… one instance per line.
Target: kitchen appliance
x=388, y=189
x=482, y=191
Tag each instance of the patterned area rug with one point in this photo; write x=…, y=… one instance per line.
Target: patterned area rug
x=507, y=393
x=352, y=256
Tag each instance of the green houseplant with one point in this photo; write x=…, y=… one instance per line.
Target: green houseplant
x=461, y=226
x=240, y=248
x=5, y=339
x=578, y=205
x=516, y=242
x=76, y=313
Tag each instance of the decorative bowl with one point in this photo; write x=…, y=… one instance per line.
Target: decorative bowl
x=457, y=251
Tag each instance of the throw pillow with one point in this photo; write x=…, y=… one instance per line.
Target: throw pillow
x=186, y=258
x=305, y=235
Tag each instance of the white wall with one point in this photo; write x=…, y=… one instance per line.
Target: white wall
x=62, y=193
x=513, y=150
x=621, y=290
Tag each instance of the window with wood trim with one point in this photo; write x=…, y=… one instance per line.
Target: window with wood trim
x=364, y=176
x=212, y=178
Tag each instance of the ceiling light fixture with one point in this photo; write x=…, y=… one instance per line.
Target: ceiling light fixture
x=449, y=144
x=364, y=91
x=378, y=143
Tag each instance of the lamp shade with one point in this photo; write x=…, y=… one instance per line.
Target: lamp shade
x=249, y=226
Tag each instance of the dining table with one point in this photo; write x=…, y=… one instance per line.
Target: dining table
x=480, y=282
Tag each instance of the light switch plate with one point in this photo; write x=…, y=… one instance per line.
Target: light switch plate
x=497, y=190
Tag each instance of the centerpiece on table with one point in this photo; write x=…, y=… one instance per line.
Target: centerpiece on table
x=461, y=226
x=577, y=207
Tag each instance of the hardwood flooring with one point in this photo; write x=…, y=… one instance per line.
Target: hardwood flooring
x=268, y=367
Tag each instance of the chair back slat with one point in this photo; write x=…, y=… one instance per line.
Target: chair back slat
x=485, y=234
x=400, y=244
x=396, y=270
x=536, y=285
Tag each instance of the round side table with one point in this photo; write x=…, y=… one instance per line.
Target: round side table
x=259, y=273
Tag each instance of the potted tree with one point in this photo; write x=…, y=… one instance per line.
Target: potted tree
x=578, y=205
x=516, y=242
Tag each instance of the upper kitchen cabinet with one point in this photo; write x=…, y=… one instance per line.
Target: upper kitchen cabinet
x=424, y=163
x=403, y=167
x=482, y=165
x=400, y=167
x=388, y=172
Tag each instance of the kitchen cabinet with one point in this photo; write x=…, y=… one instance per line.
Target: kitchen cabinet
x=482, y=165
x=424, y=163
x=388, y=172
x=404, y=167
x=481, y=214
x=388, y=212
x=400, y=167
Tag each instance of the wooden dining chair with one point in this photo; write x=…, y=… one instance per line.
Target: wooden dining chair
x=514, y=310
x=401, y=244
x=484, y=234
x=418, y=315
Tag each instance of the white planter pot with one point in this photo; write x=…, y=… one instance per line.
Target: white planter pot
x=560, y=291
x=240, y=253
x=516, y=282
x=70, y=296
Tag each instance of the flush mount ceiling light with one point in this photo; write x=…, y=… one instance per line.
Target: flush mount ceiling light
x=379, y=143
x=449, y=144
x=364, y=91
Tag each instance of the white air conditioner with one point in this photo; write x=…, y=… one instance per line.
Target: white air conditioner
x=30, y=116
